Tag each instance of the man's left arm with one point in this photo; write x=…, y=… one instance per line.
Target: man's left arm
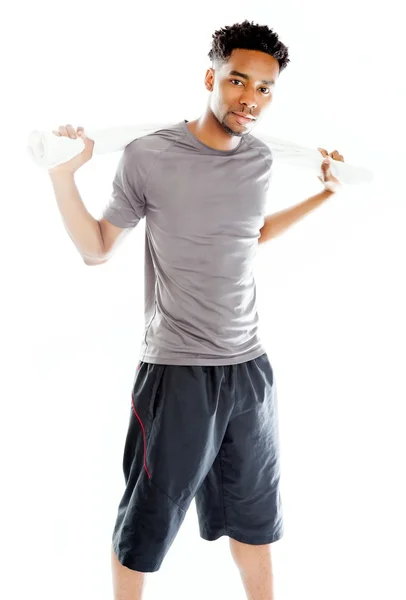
x=279, y=222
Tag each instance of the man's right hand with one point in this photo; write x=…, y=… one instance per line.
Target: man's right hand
x=72, y=165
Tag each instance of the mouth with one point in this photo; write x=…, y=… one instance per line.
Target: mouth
x=243, y=120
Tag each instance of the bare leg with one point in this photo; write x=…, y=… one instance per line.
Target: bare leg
x=255, y=566
x=127, y=584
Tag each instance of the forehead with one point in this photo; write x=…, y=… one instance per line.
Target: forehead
x=257, y=65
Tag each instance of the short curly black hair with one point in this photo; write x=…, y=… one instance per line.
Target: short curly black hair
x=247, y=36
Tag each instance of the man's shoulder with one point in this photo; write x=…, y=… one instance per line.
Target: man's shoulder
x=139, y=156
x=262, y=147
x=155, y=139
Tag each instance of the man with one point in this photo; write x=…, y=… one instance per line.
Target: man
x=204, y=417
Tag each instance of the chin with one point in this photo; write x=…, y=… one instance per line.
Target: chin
x=238, y=131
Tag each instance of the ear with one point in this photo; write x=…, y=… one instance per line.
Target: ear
x=209, y=79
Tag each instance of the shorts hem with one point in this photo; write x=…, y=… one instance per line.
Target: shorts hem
x=211, y=536
x=256, y=540
x=135, y=564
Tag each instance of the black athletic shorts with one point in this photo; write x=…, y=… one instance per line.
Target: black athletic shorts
x=208, y=433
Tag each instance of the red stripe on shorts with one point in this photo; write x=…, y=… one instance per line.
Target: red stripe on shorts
x=143, y=433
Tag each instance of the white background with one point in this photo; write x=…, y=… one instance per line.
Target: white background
x=330, y=290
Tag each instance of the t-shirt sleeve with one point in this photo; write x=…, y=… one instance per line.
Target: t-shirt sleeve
x=126, y=206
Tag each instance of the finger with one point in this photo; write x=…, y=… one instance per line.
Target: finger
x=62, y=131
x=335, y=154
x=81, y=133
x=56, y=133
x=71, y=131
x=323, y=151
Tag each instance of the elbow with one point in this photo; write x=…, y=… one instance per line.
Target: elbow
x=264, y=238
x=92, y=261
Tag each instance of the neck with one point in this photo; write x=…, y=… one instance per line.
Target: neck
x=209, y=131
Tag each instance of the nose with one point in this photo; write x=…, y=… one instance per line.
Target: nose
x=248, y=99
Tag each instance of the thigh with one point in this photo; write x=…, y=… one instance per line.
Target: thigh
x=246, y=504
x=179, y=416
x=186, y=433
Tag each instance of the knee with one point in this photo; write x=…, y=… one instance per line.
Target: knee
x=244, y=553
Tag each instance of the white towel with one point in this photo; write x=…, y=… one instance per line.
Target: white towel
x=49, y=150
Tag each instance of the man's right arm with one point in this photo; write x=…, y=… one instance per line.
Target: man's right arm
x=93, y=239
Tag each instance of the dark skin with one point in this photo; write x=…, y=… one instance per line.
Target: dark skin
x=252, y=95
x=217, y=127
x=249, y=92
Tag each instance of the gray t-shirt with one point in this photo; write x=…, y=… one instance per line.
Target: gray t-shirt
x=204, y=209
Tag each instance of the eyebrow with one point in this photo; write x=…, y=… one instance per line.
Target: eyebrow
x=244, y=76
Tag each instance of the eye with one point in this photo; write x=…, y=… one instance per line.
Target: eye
x=267, y=90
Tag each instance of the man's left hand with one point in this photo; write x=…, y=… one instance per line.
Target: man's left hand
x=331, y=183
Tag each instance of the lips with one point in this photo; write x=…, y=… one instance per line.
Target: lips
x=242, y=120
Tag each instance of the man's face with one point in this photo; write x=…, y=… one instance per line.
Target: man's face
x=245, y=85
